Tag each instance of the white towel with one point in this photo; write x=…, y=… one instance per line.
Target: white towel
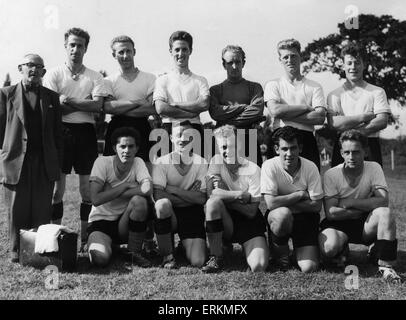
x=46, y=239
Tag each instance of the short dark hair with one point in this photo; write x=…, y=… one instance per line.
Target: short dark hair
x=125, y=132
x=288, y=134
x=353, y=49
x=354, y=135
x=235, y=49
x=122, y=38
x=181, y=35
x=79, y=33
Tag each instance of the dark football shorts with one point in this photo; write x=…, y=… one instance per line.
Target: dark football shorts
x=305, y=229
x=245, y=228
x=79, y=148
x=190, y=222
x=111, y=227
x=353, y=228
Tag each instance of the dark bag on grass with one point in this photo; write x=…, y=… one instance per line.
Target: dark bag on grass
x=65, y=258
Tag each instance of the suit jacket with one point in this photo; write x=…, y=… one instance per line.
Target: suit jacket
x=13, y=134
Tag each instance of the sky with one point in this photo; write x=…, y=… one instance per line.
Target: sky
x=38, y=26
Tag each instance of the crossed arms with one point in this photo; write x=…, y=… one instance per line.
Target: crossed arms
x=342, y=209
x=366, y=123
x=188, y=109
x=180, y=197
x=131, y=108
x=298, y=201
x=89, y=104
x=101, y=192
x=239, y=201
x=238, y=114
x=299, y=113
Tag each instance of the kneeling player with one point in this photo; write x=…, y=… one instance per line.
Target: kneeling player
x=232, y=211
x=357, y=207
x=180, y=193
x=293, y=194
x=119, y=187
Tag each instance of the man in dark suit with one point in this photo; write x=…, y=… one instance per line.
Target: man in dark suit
x=30, y=155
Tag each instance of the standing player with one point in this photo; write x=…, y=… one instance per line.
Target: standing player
x=357, y=104
x=181, y=95
x=357, y=207
x=81, y=95
x=295, y=100
x=237, y=101
x=180, y=194
x=293, y=194
x=131, y=92
x=232, y=210
x=119, y=186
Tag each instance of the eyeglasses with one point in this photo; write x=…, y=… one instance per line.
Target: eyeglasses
x=32, y=65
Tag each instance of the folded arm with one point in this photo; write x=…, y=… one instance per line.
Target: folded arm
x=197, y=106
x=315, y=117
x=378, y=123
x=190, y=196
x=164, y=109
x=285, y=111
x=289, y=200
x=334, y=211
x=161, y=193
x=89, y=105
x=342, y=123
x=379, y=199
x=100, y=193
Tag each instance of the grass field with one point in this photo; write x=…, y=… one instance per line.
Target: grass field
x=122, y=281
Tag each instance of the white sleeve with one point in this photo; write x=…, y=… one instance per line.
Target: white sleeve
x=99, y=170
x=202, y=176
x=271, y=92
x=314, y=188
x=99, y=89
x=255, y=185
x=334, y=105
x=159, y=174
x=381, y=102
x=108, y=85
x=203, y=87
x=160, y=89
x=50, y=81
x=330, y=185
x=318, y=97
x=268, y=180
x=142, y=171
x=377, y=177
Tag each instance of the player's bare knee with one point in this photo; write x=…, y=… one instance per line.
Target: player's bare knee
x=308, y=266
x=281, y=221
x=330, y=248
x=163, y=208
x=139, y=208
x=214, y=207
x=99, y=258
